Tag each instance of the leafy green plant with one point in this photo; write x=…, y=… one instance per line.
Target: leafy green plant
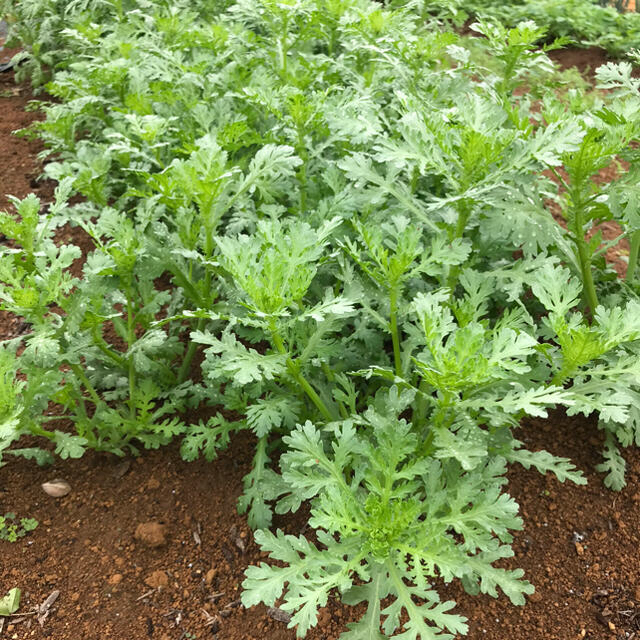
x=600, y=23
x=326, y=223
x=66, y=358
x=388, y=521
x=12, y=529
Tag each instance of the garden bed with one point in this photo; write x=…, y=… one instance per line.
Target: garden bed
x=578, y=547
x=344, y=282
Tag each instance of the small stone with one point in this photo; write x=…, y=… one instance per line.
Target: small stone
x=75, y=597
x=56, y=488
x=535, y=597
x=579, y=549
x=157, y=580
x=279, y=614
x=152, y=534
x=210, y=575
x=153, y=483
x=116, y=578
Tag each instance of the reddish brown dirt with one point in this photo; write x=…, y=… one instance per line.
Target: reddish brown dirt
x=579, y=546
x=585, y=60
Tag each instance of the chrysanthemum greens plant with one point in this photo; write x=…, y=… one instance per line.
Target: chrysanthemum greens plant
x=324, y=222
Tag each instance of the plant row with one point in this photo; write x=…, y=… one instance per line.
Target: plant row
x=584, y=23
x=326, y=222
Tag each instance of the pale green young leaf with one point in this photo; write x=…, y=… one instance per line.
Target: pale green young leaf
x=10, y=603
x=70, y=446
x=229, y=358
x=272, y=412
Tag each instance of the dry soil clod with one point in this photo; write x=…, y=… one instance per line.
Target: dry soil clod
x=151, y=534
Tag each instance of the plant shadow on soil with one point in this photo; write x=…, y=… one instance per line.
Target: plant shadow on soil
x=579, y=546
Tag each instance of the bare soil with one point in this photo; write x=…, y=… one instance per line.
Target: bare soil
x=179, y=576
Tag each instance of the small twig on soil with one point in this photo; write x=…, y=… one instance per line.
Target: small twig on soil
x=234, y=604
x=145, y=595
x=45, y=608
x=210, y=620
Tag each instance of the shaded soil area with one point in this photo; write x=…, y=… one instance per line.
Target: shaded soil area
x=585, y=60
x=154, y=548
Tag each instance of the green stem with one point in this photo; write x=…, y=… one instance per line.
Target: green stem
x=283, y=57
x=191, y=352
x=393, y=326
x=104, y=347
x=302, y=172
x=463, y=217
x=422, y=405
x=443, y=417
x=185, y=283
x=81, y=375
x=294, y=370
x=633, y=256
x=131, y=339
x=415, y=176
x=331, y=378
x=583, y=255
x=39, y=431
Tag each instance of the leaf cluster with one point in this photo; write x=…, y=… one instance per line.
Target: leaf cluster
x=326, y=223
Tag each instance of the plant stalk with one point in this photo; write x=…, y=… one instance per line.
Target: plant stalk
x=131, y=339
x=463, y=217
x=294, y=370
x=587, y=277
x=77, y=370
x=634, y=253
x=585, y=261
x=185, y=367
x=393, y=326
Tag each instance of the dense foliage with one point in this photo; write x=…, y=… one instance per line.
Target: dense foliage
x=343, y=209
x=585, y=23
